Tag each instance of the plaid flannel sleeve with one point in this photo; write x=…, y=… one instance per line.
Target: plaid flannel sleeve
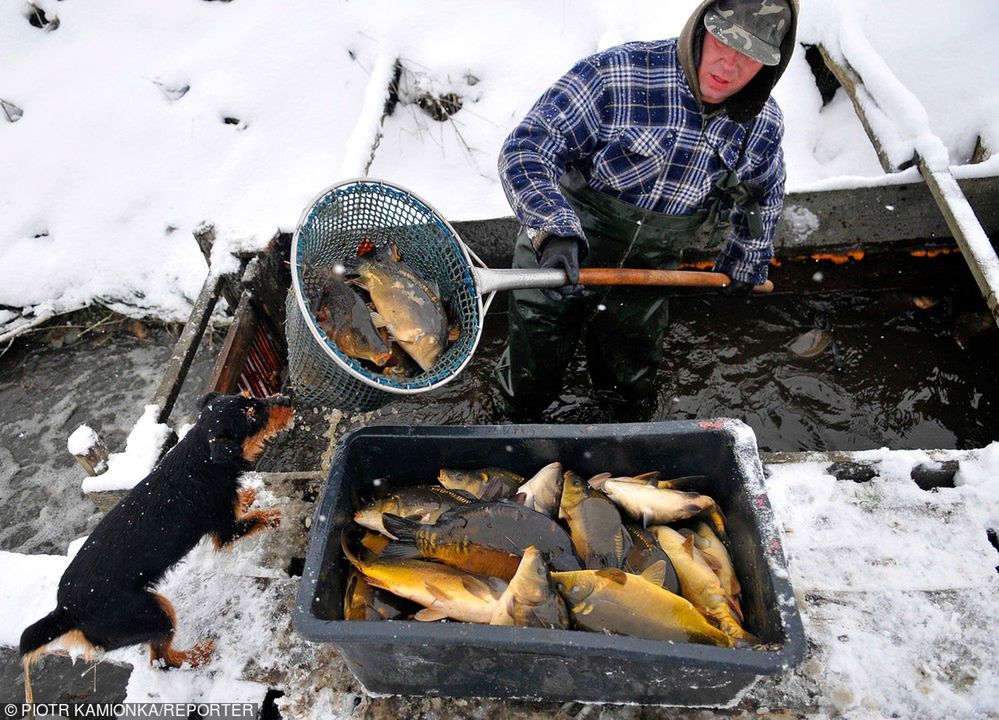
x=743, y=257
x=562, y=126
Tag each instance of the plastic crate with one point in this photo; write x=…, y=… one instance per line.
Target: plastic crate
x=470, y=660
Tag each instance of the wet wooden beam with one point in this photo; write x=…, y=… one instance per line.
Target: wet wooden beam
x=186, y=347
x=975, y=245
x=980, y=153
x=858, y=94
x=232, y=356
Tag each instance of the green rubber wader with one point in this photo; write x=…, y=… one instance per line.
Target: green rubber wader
x=622, y=327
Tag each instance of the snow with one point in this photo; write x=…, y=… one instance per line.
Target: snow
x=134, y=122
x=142, y=449
x=143, y=120
x=82, y=440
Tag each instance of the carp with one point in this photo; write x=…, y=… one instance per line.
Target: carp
x=423, y=503
x=611, y=600
x=645, y=551
x=720, y=561
x=543, y=491
x=486, y=538
x=530, y=600
x=345, y=318
x=699, y=584
x=363, y=602
x=407, y=305
x=444, y=591
x=488, y=483
x=594, y=523
x=642, y=499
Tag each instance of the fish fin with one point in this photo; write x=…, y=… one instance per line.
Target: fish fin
x=597, y=481
x=613, y=574
x=687, y=546
x=493, y=490
x=378, y=320
x=655, y=573
x=476, y=587
x=399, y=550
x=649, y=478
x=438, y=594
x=711, y=560
x=717, y=518
x=682, y=483
x=430, y=615
x=403, y=528
x=735, y=607
x=692, y=508
x=520, y=498
x=622, y=545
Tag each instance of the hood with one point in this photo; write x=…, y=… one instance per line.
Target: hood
x=747, y=103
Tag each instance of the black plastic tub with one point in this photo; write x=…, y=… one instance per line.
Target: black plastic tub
x=470, y=660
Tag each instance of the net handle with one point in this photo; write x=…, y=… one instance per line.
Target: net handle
x=491, y=281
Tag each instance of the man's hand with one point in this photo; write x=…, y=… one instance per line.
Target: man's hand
x=736, y=288
x=563, y=253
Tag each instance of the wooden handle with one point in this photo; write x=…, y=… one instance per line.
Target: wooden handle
x=673, y=278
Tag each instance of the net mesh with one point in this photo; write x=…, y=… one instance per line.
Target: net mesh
x=329, y=234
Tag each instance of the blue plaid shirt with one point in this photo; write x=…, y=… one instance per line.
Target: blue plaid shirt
x=628, y=117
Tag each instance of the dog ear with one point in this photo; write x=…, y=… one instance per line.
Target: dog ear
x=207, y=398
x=225, y=450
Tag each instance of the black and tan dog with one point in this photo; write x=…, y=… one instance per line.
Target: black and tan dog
x=106, y=598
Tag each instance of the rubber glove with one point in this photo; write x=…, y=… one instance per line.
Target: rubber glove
x=736, y=288
x=562, y=253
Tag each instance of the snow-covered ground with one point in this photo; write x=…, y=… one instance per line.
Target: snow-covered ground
x=125, y=124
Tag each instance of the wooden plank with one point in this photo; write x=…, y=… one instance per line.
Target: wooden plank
x=186, y=347
x=857, y=92
x=980, y=153
x=969, y=233
x=232, y=356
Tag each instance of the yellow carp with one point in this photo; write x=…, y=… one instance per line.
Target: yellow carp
x=721, y=562
x=641, y=498
x=543, y=491
x=594, y=523
x=699, y=584
x=408, y=306
x=423, y=503
x=530, y=599
x=611, y=600
x=488, y=483
x=443, y=591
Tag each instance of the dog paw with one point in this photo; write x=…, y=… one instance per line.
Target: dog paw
x=245, y=498
x=269, y=518
x=200, y=653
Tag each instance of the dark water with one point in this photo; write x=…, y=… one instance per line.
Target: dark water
x=893, y=375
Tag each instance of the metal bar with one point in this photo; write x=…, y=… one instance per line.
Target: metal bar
x=489, y=280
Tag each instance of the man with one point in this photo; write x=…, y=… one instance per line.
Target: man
x=636, y=154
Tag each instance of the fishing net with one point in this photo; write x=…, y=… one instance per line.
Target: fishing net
x=328, y=235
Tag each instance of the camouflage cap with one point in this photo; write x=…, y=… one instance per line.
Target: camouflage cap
x=753, y=27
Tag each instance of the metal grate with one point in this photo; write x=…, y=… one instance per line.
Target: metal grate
x=329, y=233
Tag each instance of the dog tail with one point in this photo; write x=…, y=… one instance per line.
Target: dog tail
x=36, y=636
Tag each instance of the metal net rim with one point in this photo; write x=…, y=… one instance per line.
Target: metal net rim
x=380, y=382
